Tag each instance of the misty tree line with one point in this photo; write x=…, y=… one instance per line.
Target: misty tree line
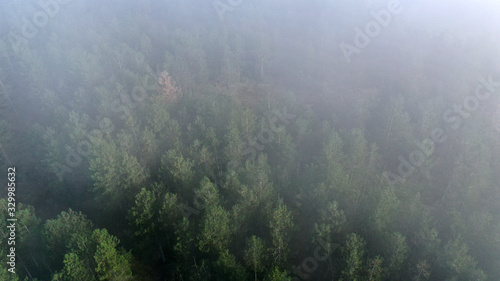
x=154, y=142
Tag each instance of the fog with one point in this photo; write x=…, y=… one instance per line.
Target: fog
x=250, y=140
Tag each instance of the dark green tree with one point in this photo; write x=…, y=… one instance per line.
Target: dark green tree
x=112, y=263
x=216, y=231
x=353, y=258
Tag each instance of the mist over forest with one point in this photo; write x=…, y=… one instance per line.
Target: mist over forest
x=250, y=140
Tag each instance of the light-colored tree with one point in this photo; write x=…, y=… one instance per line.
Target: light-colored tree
x=167, y=88
x=255, y=254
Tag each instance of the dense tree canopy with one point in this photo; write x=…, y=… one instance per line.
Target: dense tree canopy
x=250, y=140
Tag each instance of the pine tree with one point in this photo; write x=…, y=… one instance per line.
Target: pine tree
x=255, y=254
x=353, y=258
x=281, y=223
x=216, y=231
x=112, y=263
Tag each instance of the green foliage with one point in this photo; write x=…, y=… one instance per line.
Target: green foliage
x=28, y=224
x=26, y=236
x=330, y=222
x=353, y=258
x=169, y=213
x=281, y=223
x=185, y=239
x=91, y=254
x=215, y=229
x=229, y=268
x=117, y=175
x=422, y=271
x=75, y=269
x=456, y=260
x=255, y=254
x=112, y=264
x=196, y=186
x=256, y=176
x=277, y=275
x=206, y=195
x=178, y=168
x=375, y=269
x=64, y=232
x=335, y=184
x=234, y=147
x=385, y=212
x=396, y=252
x=144, y=211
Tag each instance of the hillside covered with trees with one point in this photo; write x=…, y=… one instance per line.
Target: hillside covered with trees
x=250, y=140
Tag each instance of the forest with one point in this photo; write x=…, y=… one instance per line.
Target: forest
x=250, y=140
